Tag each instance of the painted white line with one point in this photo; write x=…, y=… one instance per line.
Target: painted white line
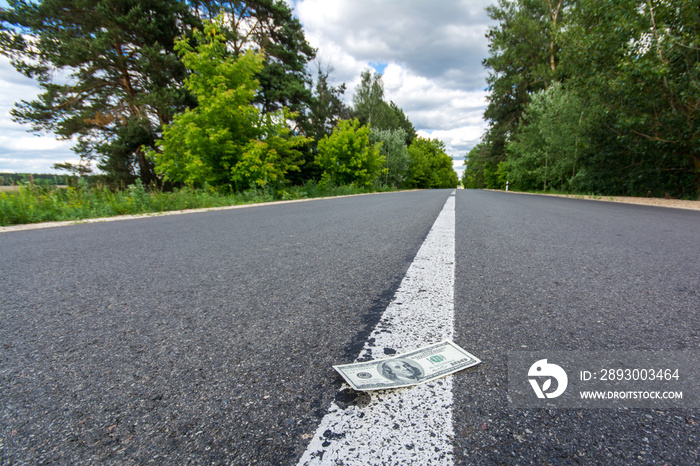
x=409, y=425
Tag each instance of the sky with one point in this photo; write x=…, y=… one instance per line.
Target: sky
x=428, y=52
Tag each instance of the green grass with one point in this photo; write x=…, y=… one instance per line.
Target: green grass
x=47, y=204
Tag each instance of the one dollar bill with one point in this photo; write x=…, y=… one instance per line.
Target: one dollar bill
x=404, y=370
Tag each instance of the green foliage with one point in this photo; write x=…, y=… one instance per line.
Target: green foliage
x=430, y=167
x=32, y=205
x=19, y=179
x=150, y=91
x=348, y=157
x=403, y=123
x=524, y=49
x=638, y=61
x=224, y=140
x=270, y=28
x=392, y=146
x=326, y=108
x=119, y=74
x=124, y=79
x=635, y=64
x=372, y=110
x=544, y=152
x=368, y=99
x=482, y=168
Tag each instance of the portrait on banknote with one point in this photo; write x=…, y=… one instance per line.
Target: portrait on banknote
x=401, y=370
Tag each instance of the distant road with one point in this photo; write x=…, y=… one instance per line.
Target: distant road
x=209, y=337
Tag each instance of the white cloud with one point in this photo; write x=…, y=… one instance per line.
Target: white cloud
x=432, y=52
x=458, y=141
x=20, y=151
x=430, y=104
x=433, y=39
x=31, y=144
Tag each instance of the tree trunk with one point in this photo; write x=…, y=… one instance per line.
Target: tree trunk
x=555, y=15
x=696, y=162
x=145, y=169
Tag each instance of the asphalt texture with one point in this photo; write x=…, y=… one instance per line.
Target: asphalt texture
x=209, y=338
x=544, y=273
x=194, y=339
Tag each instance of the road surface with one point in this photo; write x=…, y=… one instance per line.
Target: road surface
x=209, y=338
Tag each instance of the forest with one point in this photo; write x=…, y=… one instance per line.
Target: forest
x=592, y=96
x=215, y=94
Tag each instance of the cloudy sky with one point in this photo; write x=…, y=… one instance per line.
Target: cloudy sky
x=429, y=53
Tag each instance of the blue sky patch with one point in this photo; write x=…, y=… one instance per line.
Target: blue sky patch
x=378, y=67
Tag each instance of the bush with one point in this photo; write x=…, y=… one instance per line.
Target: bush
x=348, y=157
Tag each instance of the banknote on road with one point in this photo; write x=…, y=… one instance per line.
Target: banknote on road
x=413, y=368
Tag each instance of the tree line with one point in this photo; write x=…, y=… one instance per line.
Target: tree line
x=215, y=93
x=593, y=96
x=16, y=179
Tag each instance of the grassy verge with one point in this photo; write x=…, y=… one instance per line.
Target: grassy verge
x=596, y=196
x=48, y=204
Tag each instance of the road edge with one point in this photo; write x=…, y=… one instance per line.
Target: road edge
x=651, y=201
x=41, y=225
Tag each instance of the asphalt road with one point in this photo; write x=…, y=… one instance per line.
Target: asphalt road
x=209, y=338
x=544, y=273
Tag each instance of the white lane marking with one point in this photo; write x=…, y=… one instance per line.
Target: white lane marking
x=409, y=425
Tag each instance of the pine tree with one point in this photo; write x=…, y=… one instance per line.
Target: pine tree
x=108, y=73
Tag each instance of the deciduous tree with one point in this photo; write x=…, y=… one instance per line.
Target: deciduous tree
x=372, y=110
x=225, y=139
x=347, y=156
x=544, y=152
x=268, y=27
x=523, y=58
x=393, y=148
x=430, y=167
x=639, y=60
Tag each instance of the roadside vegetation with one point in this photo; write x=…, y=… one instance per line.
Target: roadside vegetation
x=592, y=96
x=184, y=103
x=45, y=202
